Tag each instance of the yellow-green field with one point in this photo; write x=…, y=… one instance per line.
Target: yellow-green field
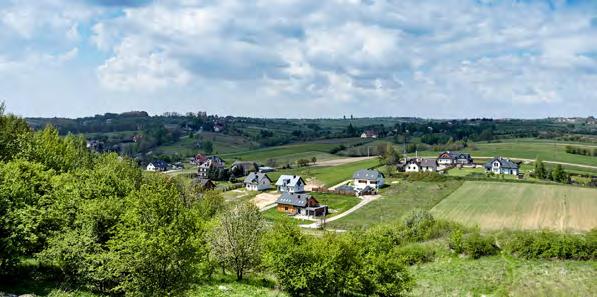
x=494, y=205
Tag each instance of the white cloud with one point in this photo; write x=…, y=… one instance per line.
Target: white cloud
x=527, y=57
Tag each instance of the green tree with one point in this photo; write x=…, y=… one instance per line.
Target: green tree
x=236, y=240
x=314, y=160
x=559, y=175
x=13, y=130
x=540, y=171
x=157, y=245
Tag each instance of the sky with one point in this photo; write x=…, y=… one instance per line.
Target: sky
x=300, y=58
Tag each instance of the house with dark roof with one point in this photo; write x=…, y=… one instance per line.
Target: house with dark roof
x=449, y=158
x=421, y=165
x=369, y=134
x=290, y=184
x=257, y=182
x=158, y=165
x=300, y=204
x=499, y=165
x=367, y=178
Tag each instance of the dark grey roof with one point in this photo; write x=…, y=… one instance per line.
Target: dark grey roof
x=429, y=163
x=504, y=163
x=159, y=164
x=367, y=174
x=294, y=199
x=457, y=155
x=255, y=178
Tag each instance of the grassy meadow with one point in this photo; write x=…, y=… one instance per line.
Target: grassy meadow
x=494, y=205
x=396, y=200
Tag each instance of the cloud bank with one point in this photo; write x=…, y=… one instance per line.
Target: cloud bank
x=300, y=58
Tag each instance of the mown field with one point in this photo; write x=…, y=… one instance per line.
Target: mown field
x=494, y=205
x=187, y=146
x=396, y=200
x=290, y=153
x=527, y=149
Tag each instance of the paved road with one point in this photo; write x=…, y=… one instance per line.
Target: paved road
x=365, y=200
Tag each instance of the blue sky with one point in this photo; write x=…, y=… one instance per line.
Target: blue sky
x=300, y=58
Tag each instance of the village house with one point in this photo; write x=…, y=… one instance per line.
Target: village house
x=300, y=204
x=367, y=178
x=420, y=165
x=449, y=158
x=210, y=162
x=158, y=165
x=257, y=182
x=369, y=134
x=290, y=184
x=499, y=165
x=205, y=184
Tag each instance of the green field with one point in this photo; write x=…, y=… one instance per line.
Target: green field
x=222, y=143
x=397, y=200
x=290, y=153
x=327, y=176
x=526, y=149
x=494, y=205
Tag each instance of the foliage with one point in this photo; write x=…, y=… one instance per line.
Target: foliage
x=476, y=245
x=413, y=254
x=158, y=242
x=235, y=241
x=550, y=245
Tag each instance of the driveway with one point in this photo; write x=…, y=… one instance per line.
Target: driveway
x=365, y=200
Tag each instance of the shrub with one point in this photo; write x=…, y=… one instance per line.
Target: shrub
x=455, y=241
x=413, y=254
x=426, y=176
x=476, y=246
x=550, y=245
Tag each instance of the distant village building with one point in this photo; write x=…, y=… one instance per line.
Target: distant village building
x=420, y=165
x=209, y=163
x=218, y=127
x=454, y=158
x=290, y=184
x=499, y=165
x=369, y=134
x=158, y=165
x=258, y=182
x=300, y=204
x=367, y=181
x=266, y=169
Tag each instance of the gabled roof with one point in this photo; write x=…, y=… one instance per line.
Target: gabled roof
x=367, y=174
x=254, y=178
x=294, y=199
x=289, y=180
x=455, y=155
x=504, y=163
x=429, y=163
x=344, y=188
x=204, y=182
x=159, y=164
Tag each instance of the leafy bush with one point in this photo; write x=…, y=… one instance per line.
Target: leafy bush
x=455, y=242
x=418, y=224
x=413, y=254
x=550, y=245
x=476, y=246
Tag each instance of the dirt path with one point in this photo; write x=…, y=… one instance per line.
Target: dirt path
x=342, y=161
x=264, y=200
x=364, y=201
